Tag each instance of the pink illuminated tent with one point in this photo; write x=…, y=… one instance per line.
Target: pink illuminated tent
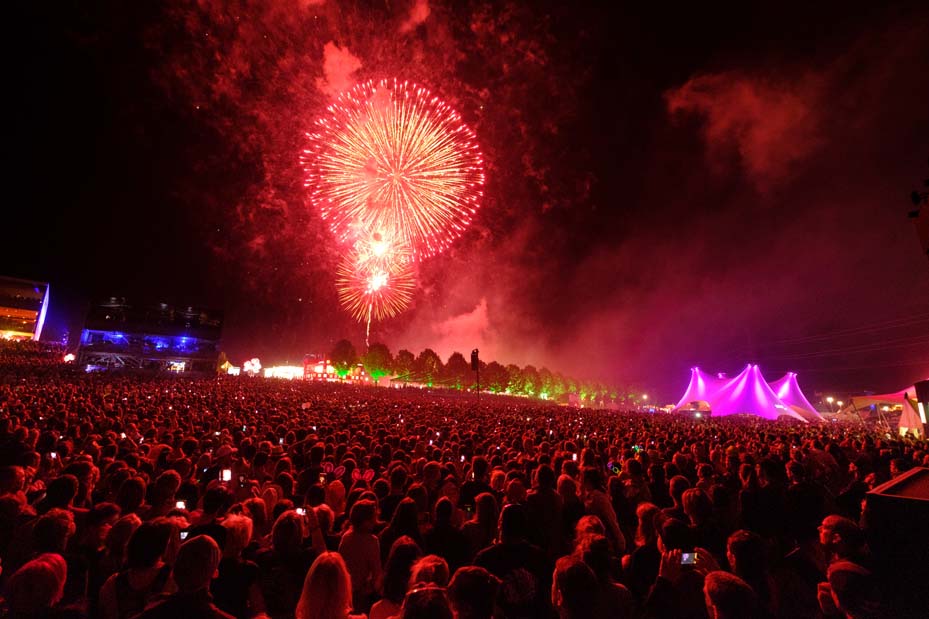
x=701, y=388
x=788, y=391
x=747, y=393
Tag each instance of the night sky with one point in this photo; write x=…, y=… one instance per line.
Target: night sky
x=666, y=187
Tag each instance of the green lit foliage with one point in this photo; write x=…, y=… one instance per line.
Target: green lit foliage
x=531, y=381
x=404, y=364
x=377, y=360
x=495, y=378
x=428, y=367
x=344, y=357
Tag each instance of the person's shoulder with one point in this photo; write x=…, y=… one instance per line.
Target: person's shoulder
x=217, y=613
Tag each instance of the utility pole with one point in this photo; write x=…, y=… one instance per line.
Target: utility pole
x=476, y=366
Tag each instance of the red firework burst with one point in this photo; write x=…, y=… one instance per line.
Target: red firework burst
x=374, y=289
x=389, y=157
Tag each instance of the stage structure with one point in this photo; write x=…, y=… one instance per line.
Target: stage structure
x=118, y=335
x=23, y=304
x=319, y=367
x=747, y=393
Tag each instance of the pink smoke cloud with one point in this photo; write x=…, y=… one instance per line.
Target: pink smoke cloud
x=418, y=14
x=339, y=66
x=465, y=331
x=772, y=125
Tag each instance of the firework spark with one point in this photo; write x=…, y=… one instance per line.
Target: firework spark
x=389, y=157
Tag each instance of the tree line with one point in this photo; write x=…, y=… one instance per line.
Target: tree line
x=455, y=373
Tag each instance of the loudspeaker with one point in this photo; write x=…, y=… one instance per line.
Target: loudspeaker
x=475, y=363
x=896, y=519
x=922, y=391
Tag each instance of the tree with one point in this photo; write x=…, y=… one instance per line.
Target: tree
x=558, y=385
x=531, y=380
x=546, y=380
x=377, y=360
x=344, y=357
x=457, y=372
x=571, y=385
x=514, y=383
x=404, y=364
x=428, y=366
x=495, y=377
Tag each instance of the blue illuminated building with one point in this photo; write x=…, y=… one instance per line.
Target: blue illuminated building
x=159, y=338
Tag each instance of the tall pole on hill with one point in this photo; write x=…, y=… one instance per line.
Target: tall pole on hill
x=476, y=366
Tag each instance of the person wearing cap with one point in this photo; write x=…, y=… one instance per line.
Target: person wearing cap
x=196, y=566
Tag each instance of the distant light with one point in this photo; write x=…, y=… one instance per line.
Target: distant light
x=644, y=396
x=698, y=415
x=69, y=358
x=830, y=399
x=840, y=403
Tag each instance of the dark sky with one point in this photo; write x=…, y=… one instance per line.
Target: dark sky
x=666, y=187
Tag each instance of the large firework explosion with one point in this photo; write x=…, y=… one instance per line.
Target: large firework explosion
x=391, y=158
x=397, y=175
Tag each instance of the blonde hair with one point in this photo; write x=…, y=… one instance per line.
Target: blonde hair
x=431, y=569
x=38, y=584
x=238, y=534
x=327, y=589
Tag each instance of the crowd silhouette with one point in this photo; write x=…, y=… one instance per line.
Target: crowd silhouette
x=157, y=496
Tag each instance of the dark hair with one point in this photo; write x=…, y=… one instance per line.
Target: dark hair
x=405, y=518
x=196, y=563
x=473, y=593
x=677, y=486
x=147, y=545
x=52, y=531
x=363, y=511
x=513, y=521
x=403, y=554
x=675, y=535
x=545, y=477
x=577, y=585
x=479, y=467
x=217, y=500
x=593, y=477
x=444, y=510
x=426, y=603
x=730, y=595
x=398, y=477
x=61, y=491
x=595, y=552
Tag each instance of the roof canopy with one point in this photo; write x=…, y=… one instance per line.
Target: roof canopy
x=748, y=393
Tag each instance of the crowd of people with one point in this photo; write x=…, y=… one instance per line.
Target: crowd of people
x=145, y=496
